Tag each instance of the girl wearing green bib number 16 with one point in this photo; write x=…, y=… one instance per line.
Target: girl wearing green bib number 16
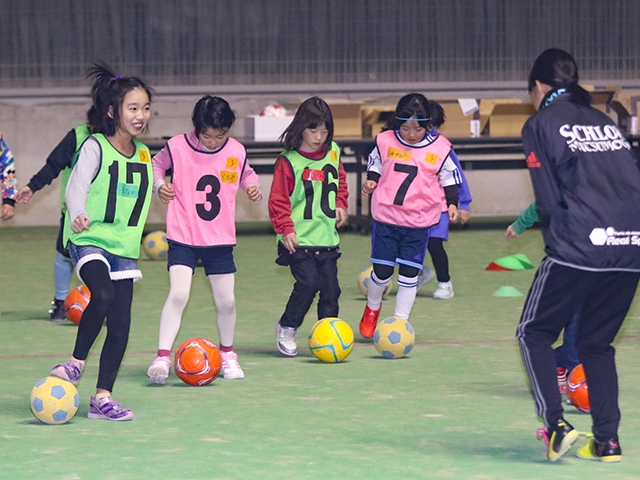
x=107, y=198
x=307, y=203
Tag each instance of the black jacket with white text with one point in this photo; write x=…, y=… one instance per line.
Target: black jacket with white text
x=587, y=186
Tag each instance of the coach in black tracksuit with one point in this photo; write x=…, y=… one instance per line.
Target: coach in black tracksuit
x=587, y=189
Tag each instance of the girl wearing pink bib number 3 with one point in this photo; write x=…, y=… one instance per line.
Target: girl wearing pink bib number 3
x=207, y=167
x=412, y=179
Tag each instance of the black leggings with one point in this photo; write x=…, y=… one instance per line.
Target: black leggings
x=110, y=299
x=439, y=258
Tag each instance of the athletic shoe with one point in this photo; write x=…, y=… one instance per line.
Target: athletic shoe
x=443, y=291
x=230, y=367
x=369, y=321
x=286, y=340
x=562, y=380
x=106, y=409
x=70, y=371
x=558, y=439
x=426, y=275
x=158, y=372
x=56, y=312
x=608, y=451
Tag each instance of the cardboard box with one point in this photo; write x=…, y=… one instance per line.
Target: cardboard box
x=507, y=119
x=486, y=107
x=374, y=117
x=601, y=100
x=347, y=121
x=457, y=124
x=626, y=107
x=265, y=129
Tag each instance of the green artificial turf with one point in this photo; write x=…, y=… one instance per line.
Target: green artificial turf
x=458, y=407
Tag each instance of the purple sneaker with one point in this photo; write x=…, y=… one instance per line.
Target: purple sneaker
x=106, y=409
x=70, y=371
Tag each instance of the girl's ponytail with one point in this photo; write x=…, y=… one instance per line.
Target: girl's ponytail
x=579, y=95
x=436, y=113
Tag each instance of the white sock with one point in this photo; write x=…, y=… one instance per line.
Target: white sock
x=171, y=317
x=407, y=289
x=223, y=295
x=375, y=290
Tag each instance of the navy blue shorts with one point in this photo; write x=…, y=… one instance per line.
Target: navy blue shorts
x=216, y=260
x=392, y=244
x=441, y=229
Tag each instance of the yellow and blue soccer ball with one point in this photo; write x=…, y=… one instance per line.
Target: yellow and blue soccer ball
x=331, y=340
x=155, y=245
x=394, y=337
x=363, y=282
x=54, y=401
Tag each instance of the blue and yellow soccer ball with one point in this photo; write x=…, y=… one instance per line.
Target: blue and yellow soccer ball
x=331, y=340
x=394, y=337
x=54, y=401
x=155, y=245
x=363, y=282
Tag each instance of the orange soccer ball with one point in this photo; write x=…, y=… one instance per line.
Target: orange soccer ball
x=75, y=303
x=577, y=389
x=197, y=362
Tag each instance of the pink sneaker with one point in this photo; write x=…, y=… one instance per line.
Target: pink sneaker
x=159, y=370
x=230, y=367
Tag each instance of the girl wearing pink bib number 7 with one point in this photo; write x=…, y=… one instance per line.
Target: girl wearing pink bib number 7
x=412, y=180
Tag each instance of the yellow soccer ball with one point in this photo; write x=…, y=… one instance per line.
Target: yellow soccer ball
x=394, y=337
x=54, y=401
x=363, y=282
x=331, y=340
x=155, y=245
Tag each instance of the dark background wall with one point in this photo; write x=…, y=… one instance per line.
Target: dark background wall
x=47, y=43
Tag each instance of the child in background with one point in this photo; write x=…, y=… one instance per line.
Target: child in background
x=307, y=203
x=61, y=159
x=8, y=181
x=566, y=354
x=107, y=199
x=439, y=233
x=413, y=179
x=207, y=167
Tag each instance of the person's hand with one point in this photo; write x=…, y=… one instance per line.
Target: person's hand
x=80, y=223
x=453, y=213
x=253, y=193
x=290, y=242
x=341, y=217
x=368, y=187
x=509, y=233
x=465, y=215
x=7, y=211
x=166, y=193
x=24, y=195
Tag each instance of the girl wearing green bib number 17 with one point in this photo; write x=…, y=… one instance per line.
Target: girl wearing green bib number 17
x=107, y=198
x=307, y=203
